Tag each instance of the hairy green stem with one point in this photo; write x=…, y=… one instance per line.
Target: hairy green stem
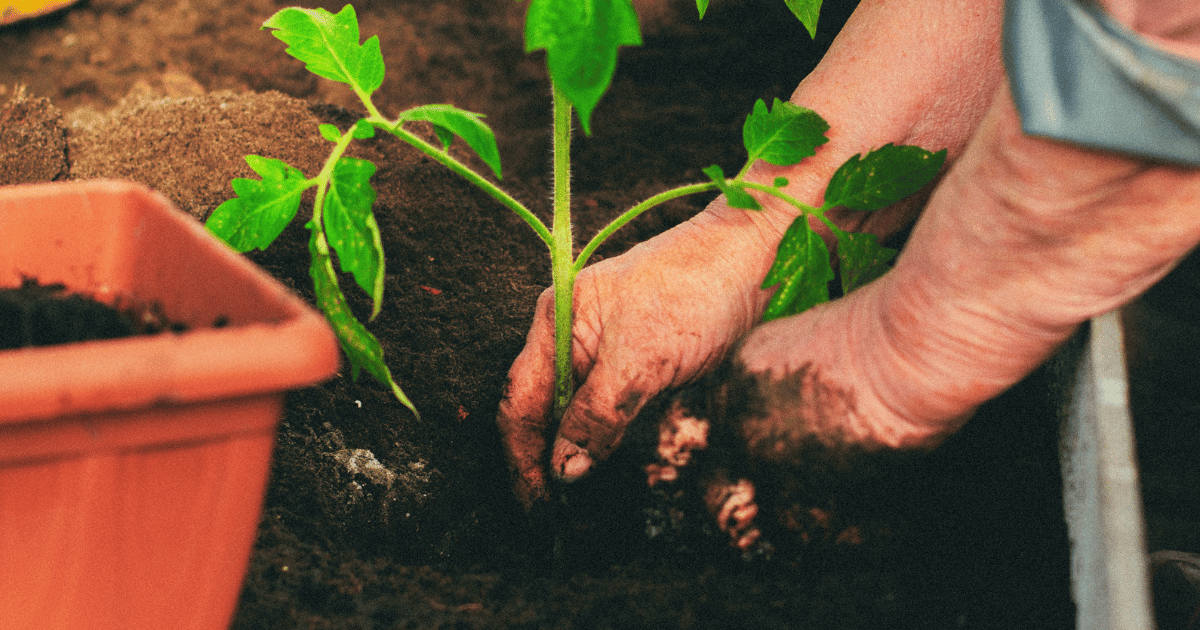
x=325, y=176
x=562, y=266
x=676, y=193
x=633, y=213
x=558, y=237
x=799, y=205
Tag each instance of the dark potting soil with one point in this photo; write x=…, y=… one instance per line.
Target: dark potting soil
x=376, y=520
x=35, y=314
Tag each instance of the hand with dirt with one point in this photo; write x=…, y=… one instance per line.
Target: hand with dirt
x=671, y=309
x=1023, y=240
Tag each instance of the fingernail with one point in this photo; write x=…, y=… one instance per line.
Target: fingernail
x=570, y=460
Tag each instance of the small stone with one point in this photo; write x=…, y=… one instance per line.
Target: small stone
x=360, y=461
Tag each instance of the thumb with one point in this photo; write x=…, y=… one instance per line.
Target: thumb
x=594, y=423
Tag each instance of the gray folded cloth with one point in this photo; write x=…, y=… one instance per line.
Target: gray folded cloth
x=1079, y=76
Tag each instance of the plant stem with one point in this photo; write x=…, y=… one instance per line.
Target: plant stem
x=683, y=191
x=633, y=213
x=562, y=266
x=799, y=205
x=326, y=175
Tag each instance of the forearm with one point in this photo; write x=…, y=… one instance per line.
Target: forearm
x=902, y=72
x=906, y=72
x=1025, y=239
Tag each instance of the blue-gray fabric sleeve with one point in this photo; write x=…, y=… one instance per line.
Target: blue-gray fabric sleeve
x=1079, y=76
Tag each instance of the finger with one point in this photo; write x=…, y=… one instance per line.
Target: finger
x=739, y=509
x=604, y=404
x=524, y=413
x=569, y=460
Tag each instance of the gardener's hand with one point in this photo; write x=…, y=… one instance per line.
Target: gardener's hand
x=1023, y=240
x=650, y=319
x=661, y=314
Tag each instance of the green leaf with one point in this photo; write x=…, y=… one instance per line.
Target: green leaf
x=885, y=176
x=580, y=38
x=361, y=347
x=328, y=46
x=780, y=182
x=735, y=195
x=807, y=11
x=449, y=121
x=262, y=208
x=330, y=132
x=363, y=130
x=351, y=228
x=862, y=259
x=784, y=135
x=802, y=271
x=445, y=136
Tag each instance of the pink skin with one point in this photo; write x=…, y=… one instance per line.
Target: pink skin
x=671, y=308
x=733, y=506
x=731, y=503
x=1022, y=241
x=678, y=436
x=1172, y=25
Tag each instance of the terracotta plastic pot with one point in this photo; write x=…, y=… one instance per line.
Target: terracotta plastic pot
x=132, y=470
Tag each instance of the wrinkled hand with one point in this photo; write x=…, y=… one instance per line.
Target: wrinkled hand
x=1024, y=240
x=650, y=319
x=670, y=309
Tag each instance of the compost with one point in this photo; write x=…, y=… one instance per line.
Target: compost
x=36, y=314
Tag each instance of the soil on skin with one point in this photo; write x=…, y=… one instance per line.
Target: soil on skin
x=374, y=519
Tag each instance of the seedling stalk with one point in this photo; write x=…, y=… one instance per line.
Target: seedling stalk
x=562, y=263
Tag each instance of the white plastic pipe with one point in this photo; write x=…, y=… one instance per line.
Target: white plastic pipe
x=1109, y=573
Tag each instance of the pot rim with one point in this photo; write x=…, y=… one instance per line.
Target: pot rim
x=276, y=343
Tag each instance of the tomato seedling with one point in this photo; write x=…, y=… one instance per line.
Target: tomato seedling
x=581, y=40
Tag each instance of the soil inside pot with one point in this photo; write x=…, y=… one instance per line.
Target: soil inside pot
x=374, y=519
x=35, y=314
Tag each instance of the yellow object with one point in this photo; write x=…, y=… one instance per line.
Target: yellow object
x=14, y=10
